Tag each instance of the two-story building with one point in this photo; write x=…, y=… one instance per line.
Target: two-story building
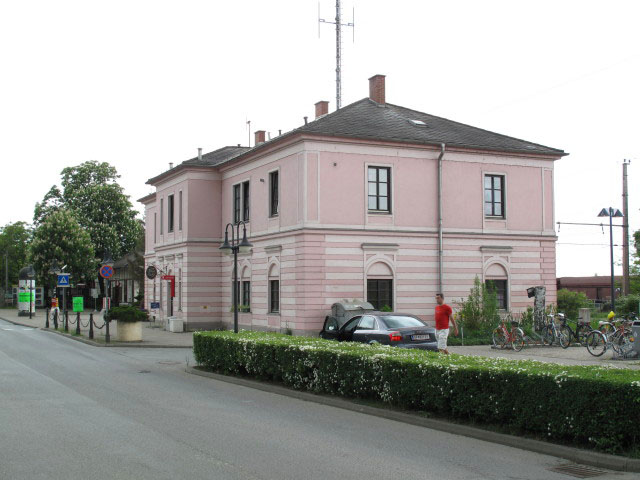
x=373, y=201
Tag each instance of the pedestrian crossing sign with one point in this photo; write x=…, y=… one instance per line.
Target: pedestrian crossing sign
x=63, y=280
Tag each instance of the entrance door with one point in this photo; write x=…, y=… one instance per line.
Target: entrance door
x=169, y=300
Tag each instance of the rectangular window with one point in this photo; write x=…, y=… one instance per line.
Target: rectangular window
x=494, y=196
x=180, y=289
x=273, y=194
x=180, y=211
x=245, y=201
x=380, y=293
x=236, y=203
x=500, y=289
x=379, y=189
x=161, y=216
x=155, y=228
x=274, y=296
x=246, y=295
x=170, y=211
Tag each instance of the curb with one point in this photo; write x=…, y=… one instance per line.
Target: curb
x=91, y=342
x=585, y=457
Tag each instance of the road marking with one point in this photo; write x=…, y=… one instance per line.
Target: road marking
x=15, y=329
x=8, y=329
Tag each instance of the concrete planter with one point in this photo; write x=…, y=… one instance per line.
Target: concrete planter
x=129, y=331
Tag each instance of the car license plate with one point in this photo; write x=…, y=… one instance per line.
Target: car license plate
x=420, y=337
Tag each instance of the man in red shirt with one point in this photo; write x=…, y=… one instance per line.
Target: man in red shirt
x=444, y=315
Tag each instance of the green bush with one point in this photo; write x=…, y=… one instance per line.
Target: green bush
x=628, y=304
x=569, y=302
x=127, y=314
x=590, y=405
x=479, y=312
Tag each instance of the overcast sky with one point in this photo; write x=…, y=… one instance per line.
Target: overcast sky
x=140, y=84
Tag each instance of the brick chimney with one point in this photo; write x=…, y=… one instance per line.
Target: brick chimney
x=259, y=136
x=376, y=89
x=322, y=108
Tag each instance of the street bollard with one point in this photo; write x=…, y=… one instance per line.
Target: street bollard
x=78, y=323
x=107, y=337
x=91, y=326
x=55, y=319
x=46, y=323
x=66, y=321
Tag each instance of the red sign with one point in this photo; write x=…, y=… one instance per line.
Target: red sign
x=106, y=271
x=172, y=279
x=54, y=302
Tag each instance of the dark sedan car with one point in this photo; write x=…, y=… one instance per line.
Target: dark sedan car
x=396, y=329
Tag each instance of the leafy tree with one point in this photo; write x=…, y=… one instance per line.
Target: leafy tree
x=14, y=243
x=91, y=193
x=60, y=237
x=479, y=312
x=570, y=302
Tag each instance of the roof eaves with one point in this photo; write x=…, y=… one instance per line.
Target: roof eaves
x=147, y=198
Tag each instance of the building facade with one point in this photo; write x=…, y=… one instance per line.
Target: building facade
x=373, y=201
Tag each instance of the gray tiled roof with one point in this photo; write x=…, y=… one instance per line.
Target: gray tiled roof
x=217, y=156
x=210, y=159
x=368, y=120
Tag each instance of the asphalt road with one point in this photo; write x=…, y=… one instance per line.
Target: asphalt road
x=73, y=411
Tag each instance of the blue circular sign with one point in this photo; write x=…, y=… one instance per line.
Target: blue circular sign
x=106, y=271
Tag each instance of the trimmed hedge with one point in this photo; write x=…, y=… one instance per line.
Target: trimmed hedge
x=127, y=313
x=594, y=406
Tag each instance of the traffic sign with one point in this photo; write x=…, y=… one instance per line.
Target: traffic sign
x=106, y=271
x=63, y=280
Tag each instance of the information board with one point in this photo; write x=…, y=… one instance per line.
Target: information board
x=78, y=304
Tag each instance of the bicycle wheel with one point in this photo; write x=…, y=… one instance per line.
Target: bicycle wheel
x=607, y=328
x=517, y=340
x=499, y=338
x=622, y=342
x=596, y=343
x=565, y=335
x=548, y=336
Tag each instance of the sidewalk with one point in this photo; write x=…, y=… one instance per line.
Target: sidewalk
x=153, y=333
x=574, y=355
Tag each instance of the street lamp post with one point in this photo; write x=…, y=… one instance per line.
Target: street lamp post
x=234, y=247
x=611, y=212
x=107, y=261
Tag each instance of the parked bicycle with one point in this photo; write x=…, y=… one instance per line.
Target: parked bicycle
x=569, y=334
x=614, y=334
x=551, y=334
x=503, y=337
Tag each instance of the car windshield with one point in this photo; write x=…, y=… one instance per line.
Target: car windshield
x=397, y=321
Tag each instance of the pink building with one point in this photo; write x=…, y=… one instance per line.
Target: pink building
x=373, y=201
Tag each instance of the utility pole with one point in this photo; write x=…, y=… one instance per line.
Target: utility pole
x=626, y=285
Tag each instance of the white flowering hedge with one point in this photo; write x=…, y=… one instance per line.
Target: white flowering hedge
x=576, y=404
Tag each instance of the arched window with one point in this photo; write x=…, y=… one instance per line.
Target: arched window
x=496, y=279
x=380, y=286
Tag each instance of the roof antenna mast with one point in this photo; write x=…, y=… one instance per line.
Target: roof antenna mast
x=338, y=23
